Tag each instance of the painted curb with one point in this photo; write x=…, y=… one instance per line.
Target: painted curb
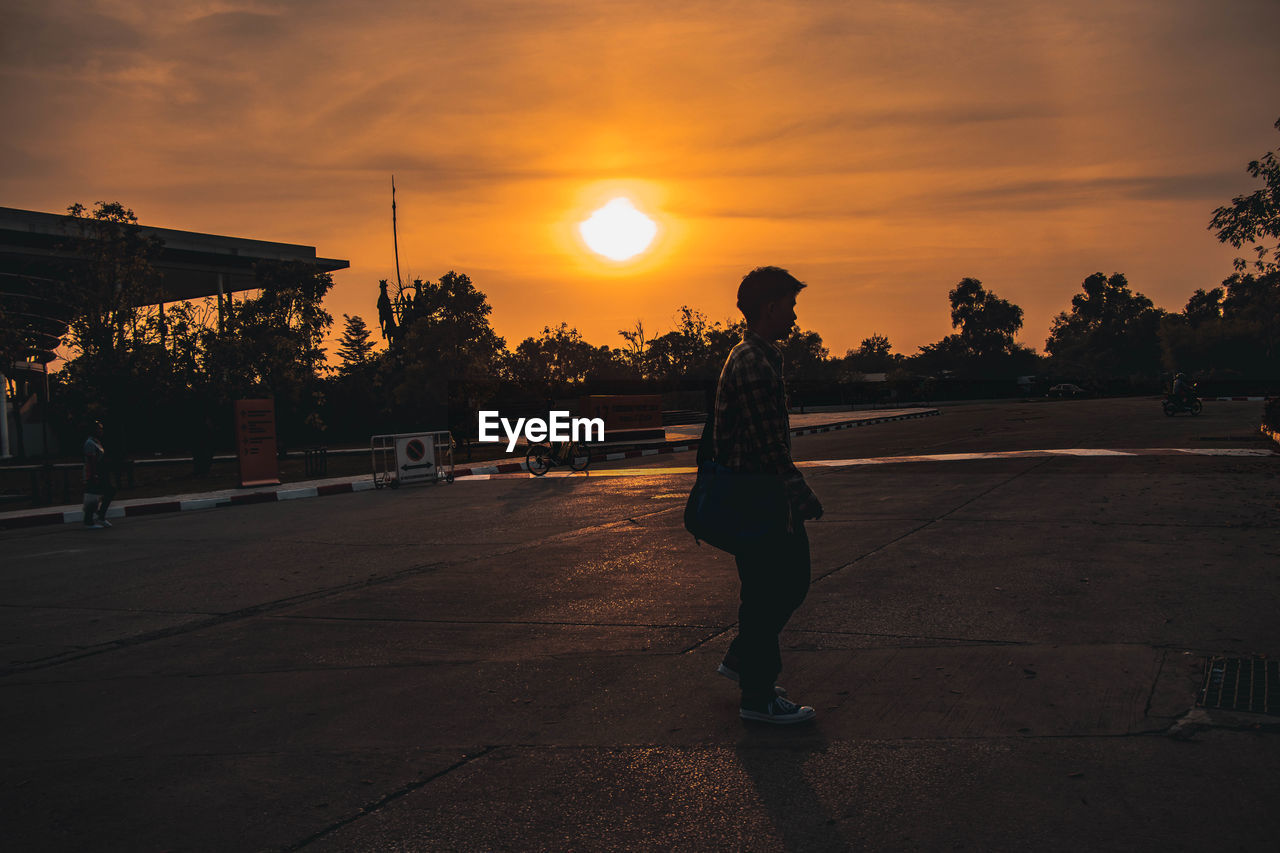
x=868, y=422
x=288, y=492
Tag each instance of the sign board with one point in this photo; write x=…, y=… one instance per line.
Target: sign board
x=256, y=442
x=415, y=458
x=626, y=417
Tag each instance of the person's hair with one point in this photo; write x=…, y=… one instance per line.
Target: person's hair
x=764, y=285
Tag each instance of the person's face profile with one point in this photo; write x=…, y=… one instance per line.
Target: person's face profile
x=781, y=316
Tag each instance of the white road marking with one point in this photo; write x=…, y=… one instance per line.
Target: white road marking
x=1225, y=451
x=932, y=457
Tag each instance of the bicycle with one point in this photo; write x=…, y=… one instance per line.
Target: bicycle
x=542, y=457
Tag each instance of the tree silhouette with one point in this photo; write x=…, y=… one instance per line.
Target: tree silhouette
x=355, y=347
x=114, y=282
x=1204, y=307
x=984, y=345
x=636, y=352
x=446, y=357
x=805, y=357
x=553, y=362
x=116, y=337
x=1111, y=334
x=986, y=322
x=1251, y=320
x=873, y=355
x=1254, y=217
x=1231, y=331
x=694, y=350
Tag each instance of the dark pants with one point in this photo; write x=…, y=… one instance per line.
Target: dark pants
x=97, y=497
x=775, y=579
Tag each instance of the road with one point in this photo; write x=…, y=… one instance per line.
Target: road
x=1003, y=654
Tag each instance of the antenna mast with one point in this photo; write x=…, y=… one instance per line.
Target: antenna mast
x=395, y=239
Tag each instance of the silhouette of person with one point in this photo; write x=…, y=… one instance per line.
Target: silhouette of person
x=753, y=436
x=1181, y=389
x=98, y=490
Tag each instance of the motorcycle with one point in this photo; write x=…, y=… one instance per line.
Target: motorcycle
x=1173, y=405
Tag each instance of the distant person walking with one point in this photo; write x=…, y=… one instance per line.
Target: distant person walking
x=753, y=436
x=98, y=490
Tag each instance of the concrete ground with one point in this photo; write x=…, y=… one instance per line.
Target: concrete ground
x=1004, y=655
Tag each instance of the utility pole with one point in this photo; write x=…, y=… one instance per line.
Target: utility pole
x=395, y=240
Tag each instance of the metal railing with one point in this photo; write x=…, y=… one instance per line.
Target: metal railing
x=63, y=482
x=315, y=462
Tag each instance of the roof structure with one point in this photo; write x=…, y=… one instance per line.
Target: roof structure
x=190, y=263
x=38, y=250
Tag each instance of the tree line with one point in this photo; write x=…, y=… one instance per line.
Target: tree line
x=1111, y=339
x=165, y=379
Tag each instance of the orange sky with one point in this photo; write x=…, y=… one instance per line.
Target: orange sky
x=882, y=151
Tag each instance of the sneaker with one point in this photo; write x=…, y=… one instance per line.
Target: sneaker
x=93, y=525
x=731, y=673
x=778, y=711
x=102, y=522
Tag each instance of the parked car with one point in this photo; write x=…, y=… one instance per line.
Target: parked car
x=1066, y=389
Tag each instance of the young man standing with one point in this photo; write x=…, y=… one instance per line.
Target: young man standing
x=753, y=436
x=97, y=484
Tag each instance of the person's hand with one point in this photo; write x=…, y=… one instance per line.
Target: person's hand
x=810, y=509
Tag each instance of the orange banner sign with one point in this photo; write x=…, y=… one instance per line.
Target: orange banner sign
x=256, y=442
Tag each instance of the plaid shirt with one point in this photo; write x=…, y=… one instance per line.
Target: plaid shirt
x=752, y=430
x=93, y=459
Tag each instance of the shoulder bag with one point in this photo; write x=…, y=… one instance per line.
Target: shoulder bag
x=729, y=510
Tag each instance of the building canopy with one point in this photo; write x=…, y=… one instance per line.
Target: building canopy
x=38, y=250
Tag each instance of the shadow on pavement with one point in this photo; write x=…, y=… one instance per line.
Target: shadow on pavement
x=775, y=759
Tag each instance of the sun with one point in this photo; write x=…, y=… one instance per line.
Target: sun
x=618, y=231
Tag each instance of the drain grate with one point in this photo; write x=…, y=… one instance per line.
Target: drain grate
x=1241, y=684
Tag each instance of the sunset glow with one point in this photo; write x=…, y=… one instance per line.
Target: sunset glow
x=881, y=151
x=618, y=231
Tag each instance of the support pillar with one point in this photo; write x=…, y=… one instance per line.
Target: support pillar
x=4, y=418
x=44, y=419
x=221, y=318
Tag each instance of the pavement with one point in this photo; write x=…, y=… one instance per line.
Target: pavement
x=1005, y=645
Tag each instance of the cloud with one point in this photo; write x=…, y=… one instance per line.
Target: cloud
x=825, y=131
x=244, y=30
x=62, y=37
x=1057, y=193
